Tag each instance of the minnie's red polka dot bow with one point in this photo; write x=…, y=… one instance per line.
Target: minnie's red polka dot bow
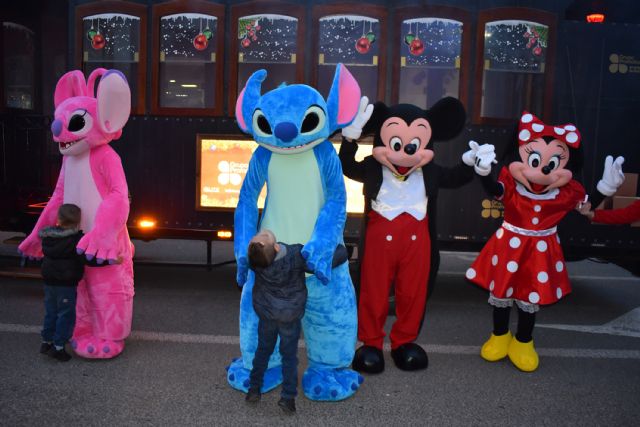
x=531, y=127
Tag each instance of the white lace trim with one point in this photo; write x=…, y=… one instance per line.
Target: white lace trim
x=508, y=302
x=500, y=302
x=527, y=232
x=550, y=195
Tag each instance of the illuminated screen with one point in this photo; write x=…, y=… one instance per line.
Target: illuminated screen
x=224, y=164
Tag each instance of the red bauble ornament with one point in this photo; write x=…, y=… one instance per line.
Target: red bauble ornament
x=246, y=42
x=258, y=27
x=537, y=51
x=363, y=45
x=416, y=47
x=247, y=27
x=254, y=38
x=200, y=42
x=98, y=41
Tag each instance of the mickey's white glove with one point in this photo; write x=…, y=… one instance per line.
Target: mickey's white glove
x=612, y=177
x=481, y=157
x=354, y=130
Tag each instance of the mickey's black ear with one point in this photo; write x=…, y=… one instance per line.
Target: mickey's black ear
x=447, y=118
x=379, y=115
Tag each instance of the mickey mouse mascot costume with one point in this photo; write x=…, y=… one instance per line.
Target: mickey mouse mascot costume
x=522, y=262
x=401, y=184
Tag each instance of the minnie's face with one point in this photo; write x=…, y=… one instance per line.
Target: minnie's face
x=404, y=145
x=543, y=165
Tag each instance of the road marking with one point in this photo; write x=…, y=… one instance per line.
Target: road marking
x=627, y=325
x=171, y=337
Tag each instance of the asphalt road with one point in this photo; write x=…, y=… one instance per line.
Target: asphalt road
x=186, y=332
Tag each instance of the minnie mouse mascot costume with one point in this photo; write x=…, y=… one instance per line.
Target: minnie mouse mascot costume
x=522, y=262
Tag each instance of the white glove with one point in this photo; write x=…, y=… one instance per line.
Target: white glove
x=354, y=130
x=481, y=157
x=612, y=177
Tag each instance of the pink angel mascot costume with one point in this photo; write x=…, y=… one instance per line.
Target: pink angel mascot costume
x=92, y=178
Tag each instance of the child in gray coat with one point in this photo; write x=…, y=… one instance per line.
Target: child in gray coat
x=279, y=298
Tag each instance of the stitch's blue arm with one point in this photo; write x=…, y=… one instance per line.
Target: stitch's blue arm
x=246, y=215
x=327, y=234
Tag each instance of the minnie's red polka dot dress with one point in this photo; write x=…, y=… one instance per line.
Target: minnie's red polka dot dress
x=523, y=260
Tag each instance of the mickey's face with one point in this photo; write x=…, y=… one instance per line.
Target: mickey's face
x=543, y=165
x=404, y=145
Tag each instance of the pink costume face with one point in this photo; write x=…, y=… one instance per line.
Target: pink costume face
x=543, y=165
x=83, y=122
x=404, y=145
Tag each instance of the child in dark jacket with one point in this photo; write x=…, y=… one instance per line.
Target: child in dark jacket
x=279, y=298
x=62, y=269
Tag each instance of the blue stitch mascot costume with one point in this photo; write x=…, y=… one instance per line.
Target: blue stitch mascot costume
x=306, y=203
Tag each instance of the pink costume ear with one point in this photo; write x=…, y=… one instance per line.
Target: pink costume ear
x=70, y=85
x=91, y=82
x=344, y=98
x=114, y=101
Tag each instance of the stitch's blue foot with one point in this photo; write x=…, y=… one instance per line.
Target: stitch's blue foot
x=238, y=377
x=330, y=384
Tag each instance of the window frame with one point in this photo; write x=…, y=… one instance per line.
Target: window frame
x=524, y=14
x=372, y=11
x=187, y=6
x=255, y=8
x=446, y=12
x=113, y=6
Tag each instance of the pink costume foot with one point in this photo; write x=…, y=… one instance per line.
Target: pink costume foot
x=95, y=348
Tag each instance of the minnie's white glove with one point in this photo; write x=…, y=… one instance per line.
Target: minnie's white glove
x=481, y=157
x=612, y=177
x=354, y=130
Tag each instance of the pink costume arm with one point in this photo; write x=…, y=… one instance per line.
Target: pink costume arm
x=32, y=245
x=113, y=212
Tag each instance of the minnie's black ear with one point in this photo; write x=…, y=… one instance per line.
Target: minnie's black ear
x=447, y=118
x=379, y=115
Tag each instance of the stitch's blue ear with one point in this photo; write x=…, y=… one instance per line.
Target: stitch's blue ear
x=248, y=99
x=343, y=100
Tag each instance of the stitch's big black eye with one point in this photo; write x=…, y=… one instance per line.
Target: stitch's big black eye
x=80, y=122
x=314, y=120
x=261, y=125
x=310, y=122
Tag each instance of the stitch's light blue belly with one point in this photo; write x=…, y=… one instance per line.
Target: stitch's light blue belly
x=295, y=196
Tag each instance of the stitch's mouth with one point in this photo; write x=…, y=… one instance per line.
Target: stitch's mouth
x=67, y=144
x=292, y=149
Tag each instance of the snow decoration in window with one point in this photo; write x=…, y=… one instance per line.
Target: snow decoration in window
x=111, y=36
x=350, y=39
x=188, y=36
x=515, y=46
x=267, y=38
x=431, y=41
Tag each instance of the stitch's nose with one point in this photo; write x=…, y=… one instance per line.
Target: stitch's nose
x=286, y=131
x=56, y=127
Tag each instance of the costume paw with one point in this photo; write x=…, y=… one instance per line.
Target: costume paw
x=496, y=347
x=523, y=355
x=325, y=384
x=410, y=357
x=91, y=347
x=368, y=359
x=238, y=377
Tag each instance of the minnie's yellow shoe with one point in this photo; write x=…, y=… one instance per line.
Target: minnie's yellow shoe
x=496, y=347
x=523, y=355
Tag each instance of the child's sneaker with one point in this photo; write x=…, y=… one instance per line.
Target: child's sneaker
x=253, y=396
x=288, y=405
x=45, y=347
x=59, y=354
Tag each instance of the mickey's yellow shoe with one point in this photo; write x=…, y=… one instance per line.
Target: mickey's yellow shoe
x=523, y=355
x=496, y=347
